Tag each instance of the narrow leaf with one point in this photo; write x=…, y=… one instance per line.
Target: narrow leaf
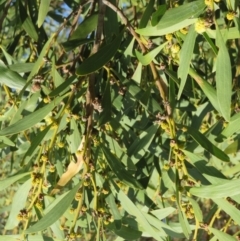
x=208, y=90
x=221, y=235
x=18, y=203
x=43, y=11
x=119, y=170
x=156, y=16
x=137, y=76
x=35, y=142
x=183, y=12
x=223, y=78
x=11, y=78
x=54, y=214
x=184, y=224
x=86, y=27
x=185, y=58
x=156, y=31
x=147, y=14
x=230, y=209
x=131, y=208
x=31, y=119
x=62, y=87
x=163, y=213
x=6, y=141
x=10, y=237
x=232, y=127
x=98, y=60
x=27, y=23
x=183, y=16
x=125, y=232
x=228, y=189
x=206, y=144
x=110, y=200
x=21, y=67
x=10, y=180
x=197, y=211
x=149, y=57
x=139, y=147
x=210, y=42
x=74, y=43
x=74, y=138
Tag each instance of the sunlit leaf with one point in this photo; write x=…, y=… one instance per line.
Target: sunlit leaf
x=10, y=180
x=185, y=58
x=232, y=127
x=227, y=189
x=163, y=213
x=229, y=208
x=183, y=16
x=223, y=78
x=197, y=210
x=11, y=78
x=10, y=237
x=138, y=73
x=156, y=31
x=21, y=67
x=43, y=10
x=116, y=214
x=18, y=203
x=130, y=207
x=146, y=59
x=221, y=235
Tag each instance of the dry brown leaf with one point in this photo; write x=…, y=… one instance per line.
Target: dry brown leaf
x=72, y=170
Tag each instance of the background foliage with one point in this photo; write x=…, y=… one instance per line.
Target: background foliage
x=119, y=119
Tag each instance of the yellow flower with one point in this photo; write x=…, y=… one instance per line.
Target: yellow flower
x=169, y=37
x=60, y=144
x=230, y=15
x=184, y=31
x=208, y=2
x=200, y=26
x=46, y=100
x=175, y=48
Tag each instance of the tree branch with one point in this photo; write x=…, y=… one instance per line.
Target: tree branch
x=90, y=96
x=158, y=80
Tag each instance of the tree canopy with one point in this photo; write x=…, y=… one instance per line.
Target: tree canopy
x=119, y=120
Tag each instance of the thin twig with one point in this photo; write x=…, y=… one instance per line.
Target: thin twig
x=75, y=21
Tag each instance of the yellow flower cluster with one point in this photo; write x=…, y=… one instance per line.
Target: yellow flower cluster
x=200, y=26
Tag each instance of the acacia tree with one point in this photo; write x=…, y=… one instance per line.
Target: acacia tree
x=119, y=119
